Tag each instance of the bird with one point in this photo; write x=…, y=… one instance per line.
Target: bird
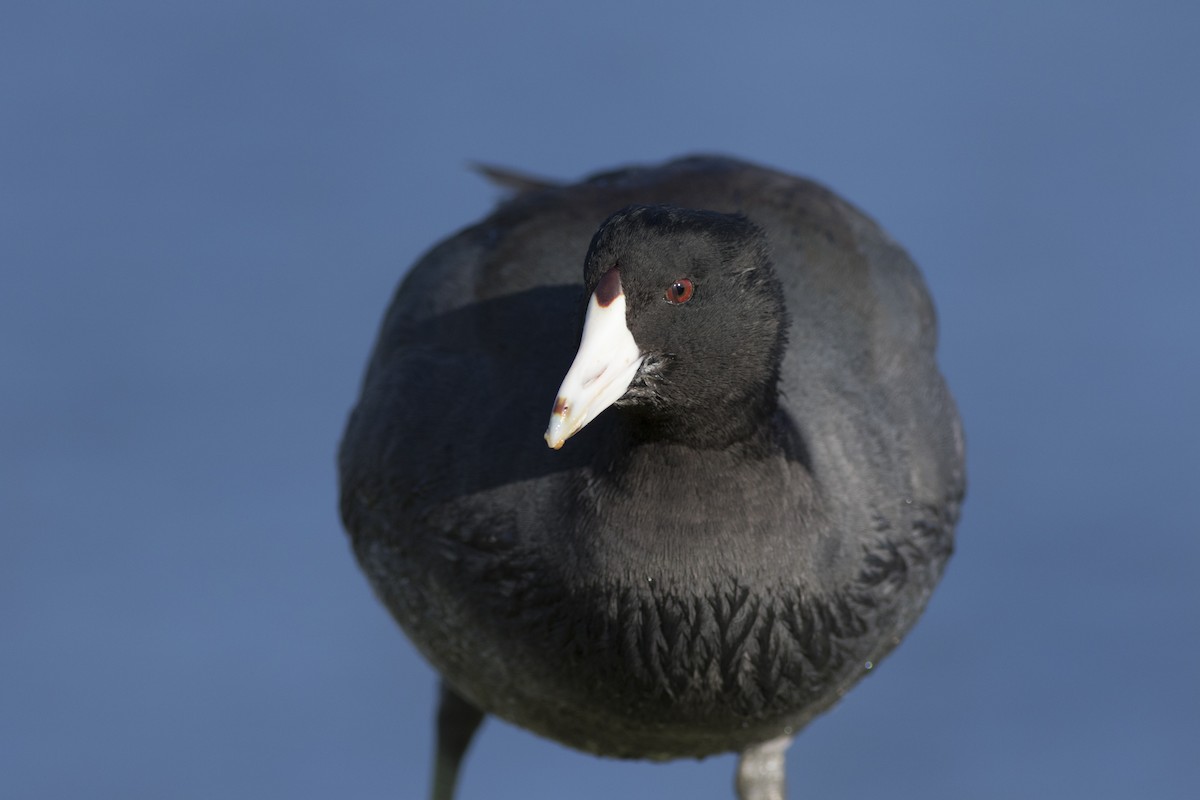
x=753, y=474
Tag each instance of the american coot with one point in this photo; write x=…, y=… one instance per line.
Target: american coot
x=760, y=492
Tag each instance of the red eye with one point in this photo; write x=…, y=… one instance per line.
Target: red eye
x=680, y=291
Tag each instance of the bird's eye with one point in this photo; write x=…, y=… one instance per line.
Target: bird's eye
x=680, y=291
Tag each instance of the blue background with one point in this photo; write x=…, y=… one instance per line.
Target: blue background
x=205, y=206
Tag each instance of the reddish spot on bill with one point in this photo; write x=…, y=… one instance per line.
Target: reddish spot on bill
x=609, y=288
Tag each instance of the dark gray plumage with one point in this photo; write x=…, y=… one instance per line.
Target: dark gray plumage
x=720, y=557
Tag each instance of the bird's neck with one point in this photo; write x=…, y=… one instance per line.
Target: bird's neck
x=746, y=424
x=709, y=506
x=723, y=480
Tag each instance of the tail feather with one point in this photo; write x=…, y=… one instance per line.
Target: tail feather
x=511, y=180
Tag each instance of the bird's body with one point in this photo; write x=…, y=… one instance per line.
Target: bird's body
x=719, y=558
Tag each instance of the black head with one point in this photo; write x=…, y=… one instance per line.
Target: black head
x=705, y=308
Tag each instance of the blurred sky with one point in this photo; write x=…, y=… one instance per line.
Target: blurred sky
x=204, y=208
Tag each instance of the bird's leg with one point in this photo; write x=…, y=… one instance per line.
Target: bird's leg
x=760, y=770
x=457, y=721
